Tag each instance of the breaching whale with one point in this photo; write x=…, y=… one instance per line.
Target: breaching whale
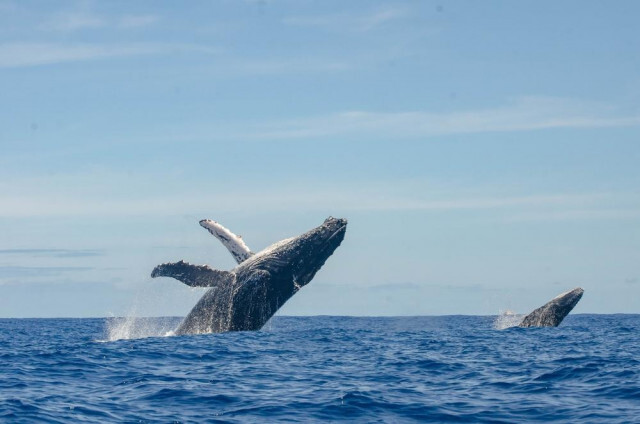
x=248, y=295
x=552, y=313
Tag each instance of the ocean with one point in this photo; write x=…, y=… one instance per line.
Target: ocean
x=322, y=369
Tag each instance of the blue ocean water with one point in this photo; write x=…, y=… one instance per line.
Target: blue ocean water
x=306, y=369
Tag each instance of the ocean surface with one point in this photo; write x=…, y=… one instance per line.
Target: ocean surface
x=319, y=369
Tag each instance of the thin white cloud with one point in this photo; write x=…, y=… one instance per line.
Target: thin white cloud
x=8, y=7
x=524, y=114
x=33, y=54
x=101, y=194
x=352, y=22
x=497, y=202
x=577, y=215
x=73, y=21
x=137, y=21
x=279, y=67
x=297, y=200
x=49, y=205
x=70, y=21
x=380, y=17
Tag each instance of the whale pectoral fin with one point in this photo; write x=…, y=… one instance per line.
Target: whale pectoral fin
x=193, y=275
x=239, y=250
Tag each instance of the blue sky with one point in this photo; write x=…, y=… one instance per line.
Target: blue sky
x=485, y=153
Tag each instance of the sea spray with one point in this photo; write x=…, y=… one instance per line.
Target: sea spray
x=507, y=319
x=147, y=300
x=131, y=327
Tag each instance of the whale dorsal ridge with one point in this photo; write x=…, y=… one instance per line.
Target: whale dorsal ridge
x=232, y=242
x=194, y=275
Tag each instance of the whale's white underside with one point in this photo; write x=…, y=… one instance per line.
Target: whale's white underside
x=232, y=242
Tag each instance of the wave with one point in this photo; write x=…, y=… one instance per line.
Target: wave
x=321, y=369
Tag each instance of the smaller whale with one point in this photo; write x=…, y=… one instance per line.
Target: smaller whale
x=552, y=313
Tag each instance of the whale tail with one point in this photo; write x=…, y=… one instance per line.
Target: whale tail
x=234, y=243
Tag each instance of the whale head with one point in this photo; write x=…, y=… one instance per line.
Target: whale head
x=268, y=279
x=312, y=249
x=292, y=263
x=568, y=300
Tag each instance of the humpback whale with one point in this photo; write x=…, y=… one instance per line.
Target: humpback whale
x=552, y=313
x=248, y=295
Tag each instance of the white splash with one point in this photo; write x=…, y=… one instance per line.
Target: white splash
x=507, y=319
x=124, y=328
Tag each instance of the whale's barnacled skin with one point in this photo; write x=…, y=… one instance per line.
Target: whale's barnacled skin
x=248, y=295
x=553, y=312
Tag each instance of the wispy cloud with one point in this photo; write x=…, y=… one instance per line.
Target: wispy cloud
x=528, y=113
x=280, y=66
x=498, y=202
x=70, y=21
x=55, y=196
x=137, y=21
x=33, y=54
x=345, y=21
x=8, y=6
x=57, y=253
x=34, y=271
x=595, y=213
x=416, y=286
x=380, y=17
x=73, y=21
x=523, y=114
